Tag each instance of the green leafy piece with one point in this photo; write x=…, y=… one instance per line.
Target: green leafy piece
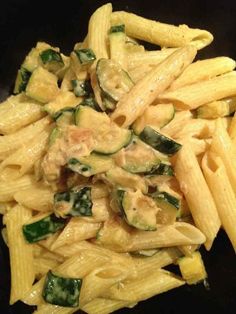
x=85, y=56
x=42, y=228
x=62, y=291
x=74, y=203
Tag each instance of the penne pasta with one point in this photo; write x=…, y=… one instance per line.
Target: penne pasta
x=133, y=104
x=161, y=34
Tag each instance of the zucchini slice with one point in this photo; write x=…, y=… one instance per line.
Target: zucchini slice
x=42, y=85
x=117, y=29
x=156, y=116
x=64, y=116
x=61, y=291
x=55, y=133
x=170, y=206
x=108, y=136
x=139, y=158
x=65, y=99
x=85, y=56
x=90, y=165
x=81, y=88
x=22, y=79
x=159, y=141
x=112, y=79
x=90, y=102
x=42, y=228
x=139, y=210
x=73, y=203
x=52, y=60
x=164, y=169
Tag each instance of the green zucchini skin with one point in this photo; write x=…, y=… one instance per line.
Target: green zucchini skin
x=117, y=29
x=22, y=79
x=162, y=169
x=159, y=141
x=85, y=56
x=43, y=228
x=57, y=115
x=51, y=56
x=91, y=102
x=167, y=198
x=79, y=203
x=61, y=291
x=81, y=88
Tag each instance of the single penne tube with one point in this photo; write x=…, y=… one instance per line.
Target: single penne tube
x=200, y=93
x=217, y=109
x=144, y=287
x=39, y=198
x=105, y=306
x=180, y=233
x=188, y=250
x=198, y=146
x=99, y=280
x=99, y=25
x=197, y=194
x=43, y=265
x=149, y=58
x=138, y=73
x=54, y=309
x=223, y=193
x=232, y=129
x=17, y=112
x=222, y=145
x=145, y=91
x=22, y=161
x=76, y=230
x=10, y=143
x=8, y=190
x=21, y=253
x=203, y=70
x=164, y=35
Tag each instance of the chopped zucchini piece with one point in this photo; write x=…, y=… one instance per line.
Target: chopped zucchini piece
x=169, y=204
x=217, y=109
x=139, y=210
x=61, y=291
x=120, y=178
x=108, y=104
x=85, y=56
x=64, y=116
x=112, y=79
x=91, y=102
x=55, y=133
x=117, y=29
x=90, y=165
x=139, y=158
x=159, y=141
x=192, y=268
x=74, y=202
x=42, y=228
x=22, y=79
x=164, y=169
x=42, y=86
x=109, y=137
x=52, y=60
x=63, y=100
x=156, y=116
x=145, y=253
x=81, y=88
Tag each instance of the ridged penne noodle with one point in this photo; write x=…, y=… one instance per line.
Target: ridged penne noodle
x=21, y=253
x=76, y=230
x=7, y=191
x=194, y=187
x=180, y=233
x=176, y=125
x=198, y=146
x=99, y=280
x=12, y=142
x=38, y=198
x=133, y=104
x=98, y=28
x=22, y=161
x=138, y=73
x=203, y=70
x=148, y=58
x=144, y=287
x=105, y=306
x=164, y=35
x=200, y=93
x=223, y=193
x=232, y=130
x=43, y=265
x=54, y=309
x=17, y=112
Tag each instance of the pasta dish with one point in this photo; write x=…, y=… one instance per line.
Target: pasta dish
x=115, y=162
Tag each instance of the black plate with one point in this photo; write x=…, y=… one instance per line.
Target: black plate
x=24, y=22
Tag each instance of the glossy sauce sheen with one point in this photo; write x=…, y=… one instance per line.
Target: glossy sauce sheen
x=23, y=23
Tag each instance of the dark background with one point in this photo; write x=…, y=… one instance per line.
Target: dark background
x=23, y=23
